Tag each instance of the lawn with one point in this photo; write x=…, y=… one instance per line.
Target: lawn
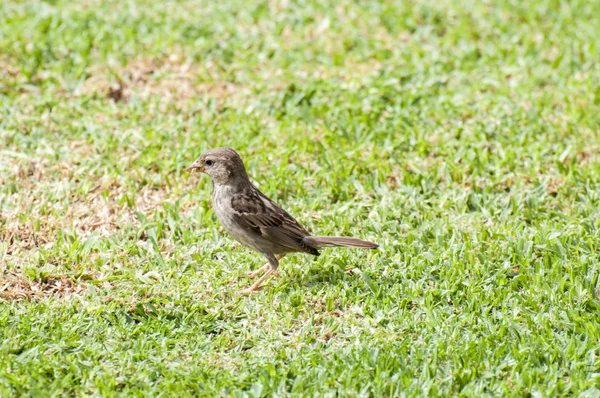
x=462, y=136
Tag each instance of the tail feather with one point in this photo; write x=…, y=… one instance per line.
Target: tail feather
x=335, y=241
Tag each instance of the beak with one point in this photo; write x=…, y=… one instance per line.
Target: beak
x=195, y=166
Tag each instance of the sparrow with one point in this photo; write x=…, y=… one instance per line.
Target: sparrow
x=256, y=221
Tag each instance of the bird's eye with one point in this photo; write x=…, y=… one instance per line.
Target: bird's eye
x=209, y=162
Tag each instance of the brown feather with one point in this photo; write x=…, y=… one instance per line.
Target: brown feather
x=337, y=241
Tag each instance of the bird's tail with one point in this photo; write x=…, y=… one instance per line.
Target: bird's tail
x=335, y=241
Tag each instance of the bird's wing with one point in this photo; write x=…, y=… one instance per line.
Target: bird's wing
x=262, y=215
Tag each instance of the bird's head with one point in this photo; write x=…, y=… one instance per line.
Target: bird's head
x=223, y=165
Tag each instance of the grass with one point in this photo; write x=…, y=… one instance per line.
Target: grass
x=460, y=135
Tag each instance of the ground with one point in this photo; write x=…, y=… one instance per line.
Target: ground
x=462, y=136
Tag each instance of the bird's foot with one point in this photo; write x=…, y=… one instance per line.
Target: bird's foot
x=255, y=273
x=246, y=292
x=256, y=284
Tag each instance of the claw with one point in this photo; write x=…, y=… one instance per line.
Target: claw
x=246, y=292
x=255, y=273
x=256, y=284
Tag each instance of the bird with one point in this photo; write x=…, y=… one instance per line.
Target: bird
x=256, y=221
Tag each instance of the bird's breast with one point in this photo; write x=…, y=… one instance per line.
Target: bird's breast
x=221, y=199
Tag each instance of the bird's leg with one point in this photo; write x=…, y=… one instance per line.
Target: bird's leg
x=256, y=284
x=255, y=273
x=273, y=264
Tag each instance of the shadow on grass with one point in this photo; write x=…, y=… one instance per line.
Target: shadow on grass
x=347, y=273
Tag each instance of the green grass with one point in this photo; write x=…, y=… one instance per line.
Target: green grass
x=463, y=136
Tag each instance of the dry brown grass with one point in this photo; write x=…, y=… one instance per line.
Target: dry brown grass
x=13, y=287
x=173, y=79
x=94, y=214
x=177, y=80
x=33, y=218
